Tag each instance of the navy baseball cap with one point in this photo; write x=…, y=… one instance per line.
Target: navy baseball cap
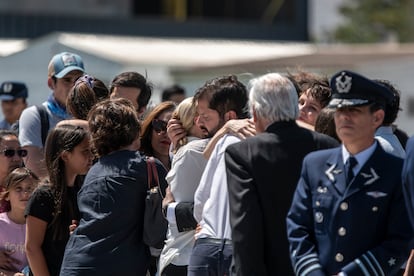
x=10, y=90
x=352, y=89
x=63, y=63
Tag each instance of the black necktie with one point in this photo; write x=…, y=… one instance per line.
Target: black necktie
x=350, y=164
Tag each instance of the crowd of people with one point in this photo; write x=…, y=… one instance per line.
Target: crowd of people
x=293, y=173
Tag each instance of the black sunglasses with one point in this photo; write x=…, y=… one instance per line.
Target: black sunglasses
x=11, y=152
x=159, y=125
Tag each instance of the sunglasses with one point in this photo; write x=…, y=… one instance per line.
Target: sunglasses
x=159, y=126
x=11, y=152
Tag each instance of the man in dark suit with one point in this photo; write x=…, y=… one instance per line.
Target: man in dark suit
x=348, y=215
x=262, y=173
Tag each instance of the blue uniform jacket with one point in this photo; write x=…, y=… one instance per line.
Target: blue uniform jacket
x=408, y=178
x=362, y=229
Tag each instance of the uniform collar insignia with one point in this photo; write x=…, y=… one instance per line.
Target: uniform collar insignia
x=371, y=178
x=331, y=171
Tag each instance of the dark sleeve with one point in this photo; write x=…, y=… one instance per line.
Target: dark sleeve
x=41, y=204
x=408, y=178
x=300, y=229
x=246, y=217
x=184, y=216
x=324, y=141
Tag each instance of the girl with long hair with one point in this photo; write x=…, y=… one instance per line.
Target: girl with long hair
x=53, y=207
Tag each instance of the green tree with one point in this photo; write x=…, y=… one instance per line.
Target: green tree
x=376, y=21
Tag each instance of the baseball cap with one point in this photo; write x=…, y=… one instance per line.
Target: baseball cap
x=63, y=63
x=10, y=90
x=352, y=89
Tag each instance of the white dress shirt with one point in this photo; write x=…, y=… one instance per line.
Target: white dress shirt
x=211, y=204
x=186, y=169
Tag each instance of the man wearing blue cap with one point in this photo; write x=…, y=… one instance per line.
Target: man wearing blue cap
x=13, y=97
x=63, y=70
x=348, y=214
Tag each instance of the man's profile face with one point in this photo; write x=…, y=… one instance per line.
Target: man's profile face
x=208, y=119
x=130, y=93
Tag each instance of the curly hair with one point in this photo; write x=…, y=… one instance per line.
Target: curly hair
x=318, y=86
x=113, y=124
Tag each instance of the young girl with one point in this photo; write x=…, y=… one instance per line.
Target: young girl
x=19, y=185
x=11, y=156
x=53, y=206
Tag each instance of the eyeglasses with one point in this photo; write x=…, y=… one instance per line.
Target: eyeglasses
x=11, y=152
x=159, y=125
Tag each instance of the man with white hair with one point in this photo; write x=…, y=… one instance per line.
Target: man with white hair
x=262, y=173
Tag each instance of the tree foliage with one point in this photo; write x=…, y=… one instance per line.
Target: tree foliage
x=376, y=21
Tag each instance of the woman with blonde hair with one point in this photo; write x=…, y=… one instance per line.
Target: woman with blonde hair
x=183, y=178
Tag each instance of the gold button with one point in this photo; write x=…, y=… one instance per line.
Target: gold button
x=374, y=209
x=317, y=203
x=339, y=257
x=344, y=206
x=342, y=231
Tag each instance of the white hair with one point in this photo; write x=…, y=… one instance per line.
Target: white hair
x=274, y=98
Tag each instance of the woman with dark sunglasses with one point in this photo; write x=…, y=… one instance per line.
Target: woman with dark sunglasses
x=155, y=142
x=154, y=138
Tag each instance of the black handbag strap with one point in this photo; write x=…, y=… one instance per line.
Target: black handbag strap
x=153, y=180
x=44, y=122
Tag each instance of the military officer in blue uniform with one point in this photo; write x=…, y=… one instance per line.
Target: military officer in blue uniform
x=348, y=215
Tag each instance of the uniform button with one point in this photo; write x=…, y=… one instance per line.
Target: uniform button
x=317, y=203
x=342, y=231
x=344, y=206
x=374, y=209
x=339, y=257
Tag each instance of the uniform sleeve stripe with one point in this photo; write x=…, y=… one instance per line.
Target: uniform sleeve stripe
x=367, y=262
x=305, y=261
x=374, y=262
x=363, y=268
x=310, y=268
x=307, y=264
